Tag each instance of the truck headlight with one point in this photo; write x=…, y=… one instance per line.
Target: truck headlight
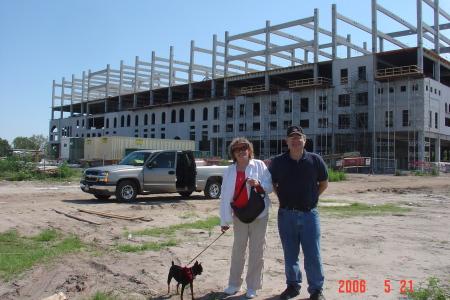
x=103, y=176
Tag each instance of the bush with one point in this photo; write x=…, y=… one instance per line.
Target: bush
x=334, y=175
x=399, y=173
x=433, y=291
x=18, y=167
x=64, y=171
x=224, y=163
x=434, y=171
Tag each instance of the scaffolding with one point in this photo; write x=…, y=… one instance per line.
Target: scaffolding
x=323, y=113
x=418, y=148
x=353, y=122
x=274, y=143
x=384, y=128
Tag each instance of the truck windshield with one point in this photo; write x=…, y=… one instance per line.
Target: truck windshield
x=135, y=158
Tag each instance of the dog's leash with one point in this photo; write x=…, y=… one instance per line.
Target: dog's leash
x=205, y=249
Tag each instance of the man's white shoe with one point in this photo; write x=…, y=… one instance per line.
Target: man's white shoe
x=250, y=294
x=231, y=290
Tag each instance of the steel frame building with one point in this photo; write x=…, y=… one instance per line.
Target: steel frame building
x=393, y=106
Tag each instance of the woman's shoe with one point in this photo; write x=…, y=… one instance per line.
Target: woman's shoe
x=250, y=294
x=231, y=290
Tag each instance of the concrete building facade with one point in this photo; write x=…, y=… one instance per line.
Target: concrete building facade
x=392, y=106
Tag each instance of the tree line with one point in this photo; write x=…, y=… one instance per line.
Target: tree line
x=35, y=142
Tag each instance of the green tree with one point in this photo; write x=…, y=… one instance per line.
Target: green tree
x=4, y=147
x=40, y=141
x=21, y=142
x=35, y=142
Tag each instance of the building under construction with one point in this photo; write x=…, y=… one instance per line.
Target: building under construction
x=392, y=106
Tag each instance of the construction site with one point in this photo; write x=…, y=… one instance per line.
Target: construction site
x=389, y=106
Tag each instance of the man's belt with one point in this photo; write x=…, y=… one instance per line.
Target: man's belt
x=297, y=208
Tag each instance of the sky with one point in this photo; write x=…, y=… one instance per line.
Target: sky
x=42, y=41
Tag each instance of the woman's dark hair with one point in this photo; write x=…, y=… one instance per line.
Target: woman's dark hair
x=240, y=140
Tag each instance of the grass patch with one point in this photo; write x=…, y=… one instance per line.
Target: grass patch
x=431, y=290
x=207, y=224
x=191, y=214
x=152, y=246
x=166, y=234
x=19, y=253
x=361, y=209
x=154, y=232
x=101, y=295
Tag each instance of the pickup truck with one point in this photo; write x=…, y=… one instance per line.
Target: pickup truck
x=146, y=172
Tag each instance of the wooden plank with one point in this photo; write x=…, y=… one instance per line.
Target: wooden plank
x=76, y=218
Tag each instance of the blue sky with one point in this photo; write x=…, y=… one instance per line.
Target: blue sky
x=42, y=41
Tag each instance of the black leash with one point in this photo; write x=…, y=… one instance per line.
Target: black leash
x=205, y=248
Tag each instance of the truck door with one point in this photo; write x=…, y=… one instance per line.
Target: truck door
x=159, y=173
x=186, y=171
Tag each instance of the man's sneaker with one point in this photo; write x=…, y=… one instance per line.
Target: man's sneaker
x=289, y=293
x=317, y=295
x=250, y=294
x=231, y=290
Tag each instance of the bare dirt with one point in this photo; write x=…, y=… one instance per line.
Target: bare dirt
x=363, y=256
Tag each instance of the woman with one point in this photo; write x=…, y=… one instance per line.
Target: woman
x=244, y=166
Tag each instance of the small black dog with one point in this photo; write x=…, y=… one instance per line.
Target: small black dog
x=184, y=276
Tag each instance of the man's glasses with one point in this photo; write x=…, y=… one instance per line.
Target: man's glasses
x=295, y=138
x=239, y=149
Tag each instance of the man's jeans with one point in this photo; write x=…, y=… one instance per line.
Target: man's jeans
x=301, y=228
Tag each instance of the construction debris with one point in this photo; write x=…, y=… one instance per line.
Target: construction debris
x=115, y=216
x=59, y=296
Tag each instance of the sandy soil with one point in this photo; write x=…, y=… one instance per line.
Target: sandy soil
x=358, y=252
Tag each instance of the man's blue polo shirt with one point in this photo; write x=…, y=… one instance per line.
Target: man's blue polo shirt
x=297, y=181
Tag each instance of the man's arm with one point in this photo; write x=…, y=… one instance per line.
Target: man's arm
x=275, y=188
x=321, y=186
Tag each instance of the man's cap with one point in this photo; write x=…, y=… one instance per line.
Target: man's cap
x=294, y=130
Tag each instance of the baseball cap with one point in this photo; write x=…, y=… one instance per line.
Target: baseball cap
x=295, y=130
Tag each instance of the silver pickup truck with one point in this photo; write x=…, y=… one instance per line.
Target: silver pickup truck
x=146, y=172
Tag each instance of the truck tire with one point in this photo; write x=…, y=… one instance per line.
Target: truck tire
x=185, y=194
x=126, y=191
x=213, y=189
x=102, y=197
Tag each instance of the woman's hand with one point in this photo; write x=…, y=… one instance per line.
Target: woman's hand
x=225, y=228
x=253, y=182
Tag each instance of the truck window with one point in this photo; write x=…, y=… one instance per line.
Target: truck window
x=164, y=160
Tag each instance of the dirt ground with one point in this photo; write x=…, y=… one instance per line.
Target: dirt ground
x=362, y=256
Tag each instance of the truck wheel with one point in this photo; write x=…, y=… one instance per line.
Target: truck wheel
x=102, y=197
x=185, y=194
x=126, y=191
x=213, y=189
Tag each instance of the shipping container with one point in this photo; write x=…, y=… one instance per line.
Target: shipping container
x=76, y=150
x=65, y=148
x=115, y=148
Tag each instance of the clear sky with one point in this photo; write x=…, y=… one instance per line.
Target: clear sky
x=42, y=41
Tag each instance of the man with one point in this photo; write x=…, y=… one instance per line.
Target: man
x=299, y=178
